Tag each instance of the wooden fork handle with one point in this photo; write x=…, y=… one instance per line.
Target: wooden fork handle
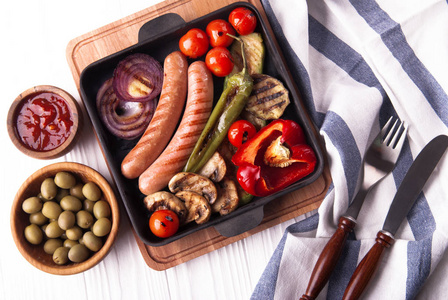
x=328, y=258
x=367, y=267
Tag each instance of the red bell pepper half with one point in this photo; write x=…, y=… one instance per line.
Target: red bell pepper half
x=274, y=158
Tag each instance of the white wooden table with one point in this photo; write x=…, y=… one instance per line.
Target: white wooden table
x=34, y=38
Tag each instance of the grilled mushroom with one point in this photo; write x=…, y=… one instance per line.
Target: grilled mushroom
x=197, y=206
x=215, y=168
x=227, y=198
x=165, y=200
x=187, y=181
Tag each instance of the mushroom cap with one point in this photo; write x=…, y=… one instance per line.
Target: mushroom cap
x=215, y=168
x=197, y=206
x=187, y=181
x=166, y=200
x=227, y=197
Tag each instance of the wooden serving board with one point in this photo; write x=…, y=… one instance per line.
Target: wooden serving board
x=123, y=33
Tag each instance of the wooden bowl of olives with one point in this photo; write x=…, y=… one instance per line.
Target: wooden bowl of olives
x=64, y=218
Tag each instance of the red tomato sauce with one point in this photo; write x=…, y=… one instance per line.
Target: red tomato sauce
x=44, y=121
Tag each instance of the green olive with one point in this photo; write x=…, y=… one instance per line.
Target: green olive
x=32, y=205
x=51, y=210
x=88, y=205
x=61, y=194
x=33, y=234
x=71, y=203
x=38, y=218
x=102, y=227
x=101, y=209
x=60, y=255
x=51, y=245
x=64, y=180
x=92, y=242
x=84, y=219
x=70, y=243
x=91, y=191
x=77, y=191
x=74, y=233
x=66, y=220
x=48, y=188
x=53, y=230
x=78, y=253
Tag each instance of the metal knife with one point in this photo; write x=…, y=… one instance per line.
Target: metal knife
x=408, y=191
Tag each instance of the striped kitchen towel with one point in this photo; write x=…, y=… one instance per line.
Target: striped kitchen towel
x=356, y=63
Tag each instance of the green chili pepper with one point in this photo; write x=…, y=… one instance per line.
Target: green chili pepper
x=229, y=106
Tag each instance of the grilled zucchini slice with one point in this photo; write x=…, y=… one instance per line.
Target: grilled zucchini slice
x=255, y=51
x=269, y=98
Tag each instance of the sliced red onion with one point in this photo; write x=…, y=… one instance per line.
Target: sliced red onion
x=124, y=119
x=138, y=77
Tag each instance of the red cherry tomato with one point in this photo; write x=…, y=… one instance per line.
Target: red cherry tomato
x=217, y=31
x=241, y=131
x=164, y=223
x=194, y=43
x=243, y=20
x=219, y=61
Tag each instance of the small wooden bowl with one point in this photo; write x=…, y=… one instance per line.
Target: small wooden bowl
x=19, y=219
x=76, y=117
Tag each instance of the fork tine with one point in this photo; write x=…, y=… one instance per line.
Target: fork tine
x=386, y=128
x=394, y=134
x=401, y=137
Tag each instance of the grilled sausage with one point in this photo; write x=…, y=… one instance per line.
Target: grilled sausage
x=197, y=111
x=165, y=119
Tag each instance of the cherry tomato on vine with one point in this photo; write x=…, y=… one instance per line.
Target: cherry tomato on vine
x=217, y=31
x=164, y=223
x=194, y=43
x=243, y=20
x=240, y=131
x=219, y=61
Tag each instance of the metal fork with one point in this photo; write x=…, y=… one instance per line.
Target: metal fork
x=379, y=160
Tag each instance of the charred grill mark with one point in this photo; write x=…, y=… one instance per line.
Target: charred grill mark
x=193, y=133
x=264, y=87
x=278, y=104
x=231, y=95
x=144, y=82
x=270, y=97
x=259, y=78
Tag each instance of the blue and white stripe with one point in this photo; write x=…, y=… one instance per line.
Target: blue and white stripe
x=356, y=63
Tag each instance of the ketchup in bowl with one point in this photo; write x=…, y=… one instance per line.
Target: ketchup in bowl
x=44, y=121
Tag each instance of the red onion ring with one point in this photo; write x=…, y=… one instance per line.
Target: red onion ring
x=138, y=77
x=124, y=119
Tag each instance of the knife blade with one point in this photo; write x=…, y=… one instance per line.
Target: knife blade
x=407, y=193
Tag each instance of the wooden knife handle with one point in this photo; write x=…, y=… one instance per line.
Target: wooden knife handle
x=367, y=267
x=328, y=258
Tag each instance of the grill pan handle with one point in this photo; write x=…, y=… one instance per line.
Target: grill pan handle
x=159, y=25
x=241, y=223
